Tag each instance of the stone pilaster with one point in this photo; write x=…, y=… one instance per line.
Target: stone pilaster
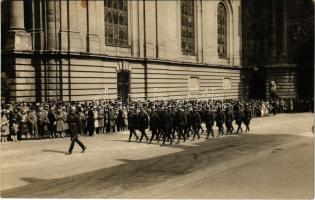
x=18, y=38
x=93, y=40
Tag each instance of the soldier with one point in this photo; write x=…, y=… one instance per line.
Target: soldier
x=196, y=121
x=220, y=119
x=74, y=122
x=132, y=123
x=247, y=117
x=209, y=120
x=186, y=126
x=154, y=125
x=229, y=118
x=239, y=116
x=166, y=126
x=143, y=122
x=180, y=123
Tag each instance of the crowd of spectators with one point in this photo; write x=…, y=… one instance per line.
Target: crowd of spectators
x=23, y=121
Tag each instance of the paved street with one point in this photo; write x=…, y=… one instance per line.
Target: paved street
x=274, y=160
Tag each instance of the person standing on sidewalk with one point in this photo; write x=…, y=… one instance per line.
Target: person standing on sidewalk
x=74, y=122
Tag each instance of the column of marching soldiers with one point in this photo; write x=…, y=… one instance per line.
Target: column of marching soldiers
x=167, y=120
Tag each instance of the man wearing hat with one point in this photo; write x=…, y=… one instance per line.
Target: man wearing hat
x=229, y=118
x=132, y=123
x=143, y=122
x=247, y=117
x=74, y=122
x=220, y=119
x=196, y=122
x=180, y=123
x=154, y=125
x=166, y=126
x=209, y=120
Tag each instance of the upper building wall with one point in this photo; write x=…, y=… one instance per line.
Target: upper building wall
x=79, y=26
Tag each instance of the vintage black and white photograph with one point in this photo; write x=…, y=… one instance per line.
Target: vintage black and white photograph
x=157, y=99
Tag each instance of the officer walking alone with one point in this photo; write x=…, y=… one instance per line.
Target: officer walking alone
x=74, y=122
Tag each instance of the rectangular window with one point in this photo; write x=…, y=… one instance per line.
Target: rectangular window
x=116, y=23
x=187, y=27
x=193, y=83
x=227, y=83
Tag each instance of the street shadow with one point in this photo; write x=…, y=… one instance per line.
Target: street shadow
x=53, y=151
x=136, y=174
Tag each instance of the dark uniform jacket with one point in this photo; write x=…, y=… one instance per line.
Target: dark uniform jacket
x=74, y=122
x=132, y=120
x=166, y=120
x=220, y=118
x=195, y=119
x=180, y=119
x=229, y=117
x=239, y=115
x=154, y=120
x=247, y=116
x=209, y=118
x=143, y=120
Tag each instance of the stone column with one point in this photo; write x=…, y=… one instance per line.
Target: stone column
x=284, y=48
x=74, y=34
x=93, y=41
x=51, y=25
x=18, y=38
x=274, y=30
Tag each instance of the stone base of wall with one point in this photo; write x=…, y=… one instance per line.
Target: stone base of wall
x=79, y=78
x=285, y=78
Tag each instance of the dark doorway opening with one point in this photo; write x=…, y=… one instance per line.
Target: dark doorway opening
x=305, y=70
x=123, y=85
x=257, y=86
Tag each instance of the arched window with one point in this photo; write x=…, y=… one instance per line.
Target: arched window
x=116, y=22
x=187, y=27
x=222, y=31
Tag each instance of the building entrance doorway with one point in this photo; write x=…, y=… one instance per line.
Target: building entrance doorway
x=123, y=85
x=257, y=86
x=305, y=70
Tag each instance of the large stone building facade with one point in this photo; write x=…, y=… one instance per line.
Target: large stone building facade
x=79, y=50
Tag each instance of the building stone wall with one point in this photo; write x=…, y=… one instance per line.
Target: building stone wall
x=63, y=55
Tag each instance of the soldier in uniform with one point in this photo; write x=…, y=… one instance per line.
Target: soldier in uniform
x=143, y=122
x=239, y=115
x=74, y=122
x=154, y=125
x=209, y=120
x=196, y=122
x=229, y=118
x=132, y=123
x=166, y=126
x=220, y=119
x=247, y=117
x=180, y=123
